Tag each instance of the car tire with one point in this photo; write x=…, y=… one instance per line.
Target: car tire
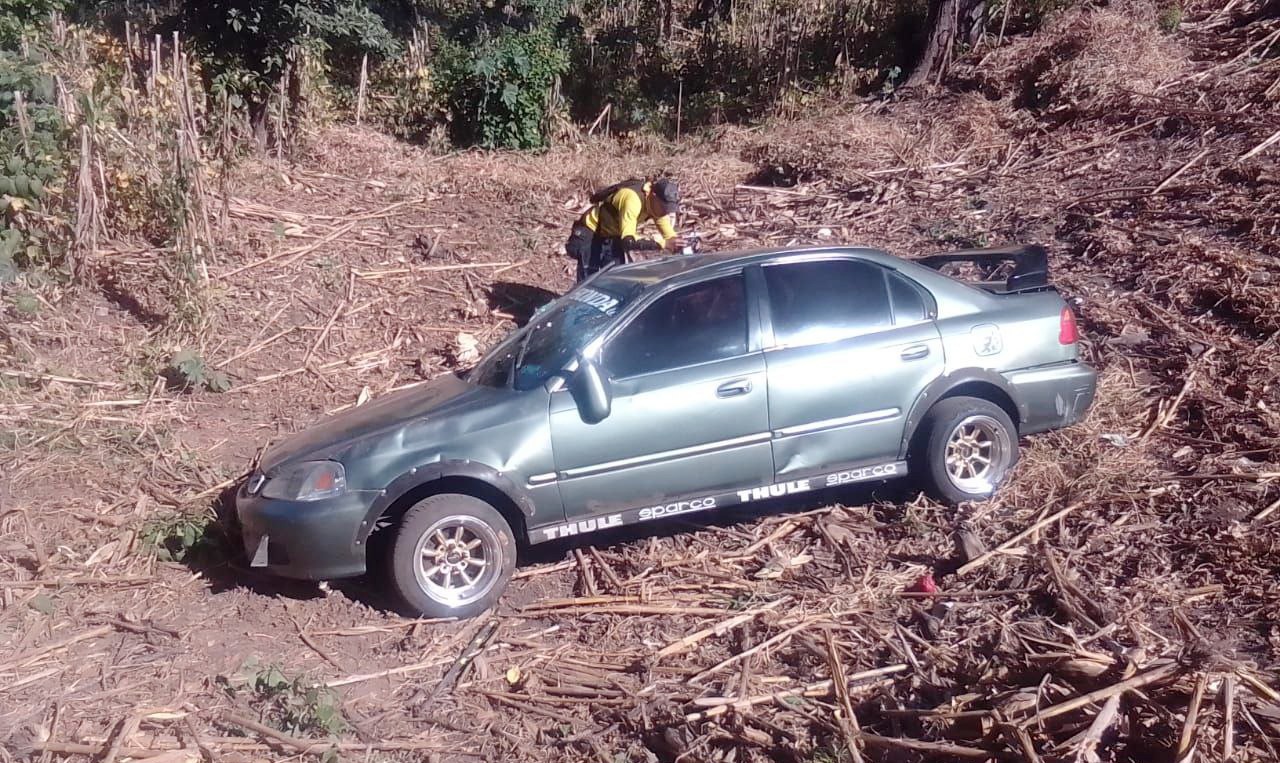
x=452, y=557
x=966, y=449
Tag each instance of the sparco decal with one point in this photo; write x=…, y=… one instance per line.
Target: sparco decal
x=679, y=507
x=858, y=475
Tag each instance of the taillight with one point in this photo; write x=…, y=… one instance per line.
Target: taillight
x=1067, y=331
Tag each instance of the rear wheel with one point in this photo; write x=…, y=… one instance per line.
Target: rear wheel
x=453, y=556
x=969, y=446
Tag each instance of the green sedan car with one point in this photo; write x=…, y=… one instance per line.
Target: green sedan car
x=676, y=386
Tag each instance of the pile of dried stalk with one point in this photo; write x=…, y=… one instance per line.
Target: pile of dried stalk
x=1118, y=601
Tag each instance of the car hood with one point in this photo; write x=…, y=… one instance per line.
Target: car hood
x=438, y=398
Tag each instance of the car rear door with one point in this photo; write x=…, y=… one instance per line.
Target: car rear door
x=850, y=345
x=689, y=411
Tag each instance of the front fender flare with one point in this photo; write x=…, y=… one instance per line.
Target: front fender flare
x=938, y=389
x=436, y=470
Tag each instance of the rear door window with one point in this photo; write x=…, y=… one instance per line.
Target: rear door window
x=814, y=302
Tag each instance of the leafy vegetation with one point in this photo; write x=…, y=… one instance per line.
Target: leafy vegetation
x=294, y=705
x=497, y=66
x=186, y=537
x=32, y=134
x=188, y=370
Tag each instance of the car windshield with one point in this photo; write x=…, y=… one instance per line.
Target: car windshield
x=527, y=358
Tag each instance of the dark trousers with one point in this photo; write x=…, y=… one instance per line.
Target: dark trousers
x=591, y=252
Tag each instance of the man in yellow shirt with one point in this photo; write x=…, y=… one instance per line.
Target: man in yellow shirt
x=607, y=231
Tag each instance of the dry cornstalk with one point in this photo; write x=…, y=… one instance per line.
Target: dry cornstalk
x=1138, y=681
x=718, y=629
x=1186, y=741
x=722, y=705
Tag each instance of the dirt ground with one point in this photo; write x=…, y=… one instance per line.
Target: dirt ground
x=1138, y=550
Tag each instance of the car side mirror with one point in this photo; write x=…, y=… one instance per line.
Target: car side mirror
x=590, y=390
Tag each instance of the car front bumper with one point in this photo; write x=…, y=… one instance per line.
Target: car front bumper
x=313, y=540
x=1053, y=396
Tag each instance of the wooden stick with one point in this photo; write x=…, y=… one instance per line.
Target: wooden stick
x=63, y=379
x=1168, y=180
x=64, y=581
x=849, y=721
x=718, y=629
x=94, y=750
x=289, y=252
x=1228, y=716
x=1258, y=686
x=1162, y=420
x=324, y=332
x=26, y=659
x=1015, y=540
x=124, y=730
x=1267, y=511
x=1142, y=679
x=1275, y=136
x=1186, y=742
x=1093, y=736
x=935, y=748
x=722, y=705
x=255, y=348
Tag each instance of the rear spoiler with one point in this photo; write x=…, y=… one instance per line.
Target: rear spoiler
x=1030, y=266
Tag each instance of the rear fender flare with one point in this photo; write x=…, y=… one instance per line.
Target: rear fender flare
x=942, y=386
x=437, y=470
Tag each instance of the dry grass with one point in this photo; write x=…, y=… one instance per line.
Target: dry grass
x=1134, y=554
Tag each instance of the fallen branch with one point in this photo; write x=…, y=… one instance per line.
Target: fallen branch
x=289, y=252
x=718, y=629
x=935, y=748
x=63, y=379
x=1086, y=753
x=1186, y=741
x=1138, y=681
x=1015, y=540
x=31, y=656
x=722, y=705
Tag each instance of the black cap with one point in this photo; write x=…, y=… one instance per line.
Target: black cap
x=667, y=190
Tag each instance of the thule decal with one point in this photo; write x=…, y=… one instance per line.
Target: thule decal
x=720, y=500
x=776, y=490
x=584, y=526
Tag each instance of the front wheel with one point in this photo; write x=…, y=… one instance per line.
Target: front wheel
x=968, y=448
x=453, y=556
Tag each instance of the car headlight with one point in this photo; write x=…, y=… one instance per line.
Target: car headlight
x=307, y=481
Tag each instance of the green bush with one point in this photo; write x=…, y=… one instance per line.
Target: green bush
x=18, y=18
x=32, y=136
x=496, y=70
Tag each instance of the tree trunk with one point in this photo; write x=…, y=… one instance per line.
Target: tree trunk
x=949, y=22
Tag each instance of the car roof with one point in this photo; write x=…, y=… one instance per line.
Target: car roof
x=650, y=272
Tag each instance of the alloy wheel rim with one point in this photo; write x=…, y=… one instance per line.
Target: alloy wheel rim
x=457, y=560
x=977, y=454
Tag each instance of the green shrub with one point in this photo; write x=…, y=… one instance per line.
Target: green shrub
x=32, y=136
x=1170, y=18
x=188, y=370
x=19, y=18
x=496, y=71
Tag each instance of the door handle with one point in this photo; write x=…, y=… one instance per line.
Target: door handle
x=734, y=388
x=915, y=352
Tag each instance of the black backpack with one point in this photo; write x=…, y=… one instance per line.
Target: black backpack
x=603, y=194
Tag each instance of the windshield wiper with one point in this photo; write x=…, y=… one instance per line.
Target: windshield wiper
x=524, y=345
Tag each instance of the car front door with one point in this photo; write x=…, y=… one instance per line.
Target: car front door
x=850, y=346
x=689, y=411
